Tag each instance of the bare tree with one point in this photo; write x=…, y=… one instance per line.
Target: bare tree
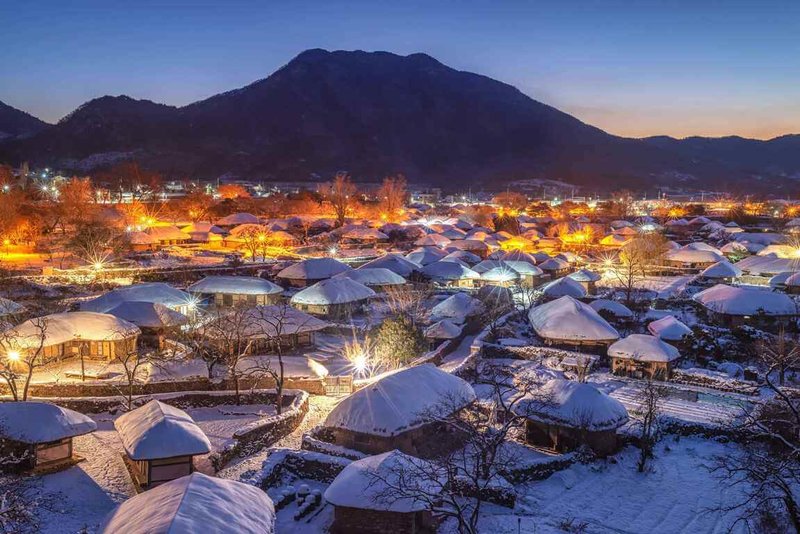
x=648, y=415
x=407, y=301
x=340, y=192
x=766, y=468
x=635, y=258
x=392, y=197
x=23, y=351
x=132, y=358
x=780, y=353
x=231, y=335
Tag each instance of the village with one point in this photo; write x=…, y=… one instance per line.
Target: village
x=343, y=359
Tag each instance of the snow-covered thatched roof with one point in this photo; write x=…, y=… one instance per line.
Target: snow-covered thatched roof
x=464, y=256
x=401, y=401
x=365, y=483
x=730, y=300
x=395, y=263
x=194, y=503
x=644, y=348
x=733, y=247
x=456, y=307
x=474, y=245
x=767, y=265
x=148, y=314
x=166, y=233
x=432, y=240
x=501, y=273
x=691, y=255
x=363, y=233
x=574, y=404
x=202, y=228
x=449, y=270
x=669, y=328
x=158, y=430
x=157, y=292
x=141, y=238
x=275, y=320
x=699, y=245
x=60, y=328
x=444, y=329
x=565, y=286
x=567, y=319
x=238, y=218
x=517, y=255
x=553, y=264
x=314, y=269
x=374, y=276
x=585, y=275
x=333, y=291
x=614, y=240
x=41, y=422
x=617, y=309
x=235, y=285
x=721, y=269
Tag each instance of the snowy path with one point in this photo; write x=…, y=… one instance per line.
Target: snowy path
x=319, y=406
x=706, y=412
x=457, y=357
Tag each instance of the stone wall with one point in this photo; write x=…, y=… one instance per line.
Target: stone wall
x=298, y=464
x=96, y=388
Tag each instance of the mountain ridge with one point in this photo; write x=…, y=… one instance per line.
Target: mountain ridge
x=377, y=113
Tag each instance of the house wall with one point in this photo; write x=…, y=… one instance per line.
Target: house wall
x=565, y=439
x=425, y=441
x=229, y=300
x=95, y=350
x=639, y=369
x=360, y=521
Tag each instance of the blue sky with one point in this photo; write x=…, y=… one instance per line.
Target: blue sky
x=632, y=68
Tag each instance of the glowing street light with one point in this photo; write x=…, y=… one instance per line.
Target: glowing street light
x=14, y=356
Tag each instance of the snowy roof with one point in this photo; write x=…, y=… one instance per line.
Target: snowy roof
x=374, y=276
x=733, y=246
x=449, y=270
x=238, y=218
x=463, y=255
x=444, y=329
x=700, y=220
x=524, y=267
x=157, y=292
x=699, y=245
x=615, y=240
x=9, y=307
x=362, y=232
x=333, y=291
x=314, y=269
x=426, y=255
x=691, y=255
x=767, y=265
x=486, y=265
x=365, y=483
x=269, y=321
x=432, y=240
x=62, y=327
x=501, y=273
x=470, y=244
x=41, y=422
x=148, y=314
x=780, y=250
x=235, y=285
x=194, y=503
x=202, y=227
x=166, y=233
x=569, y=320
x=574, y=404
x=141, y=238
x=401, y=401
x=793, y=280
x=565, y=286
x=643, y=348
x=585, y=275
x=730, y=300
x=456, y=307
x=394, y=262
x=553, y=264
x=158, y=430
x=721, y=269
x=669, y=328
x=517, y=255
x=613, y=307
x=626, y=231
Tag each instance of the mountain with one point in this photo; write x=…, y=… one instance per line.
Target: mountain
x=15, y=123
x=376, y=113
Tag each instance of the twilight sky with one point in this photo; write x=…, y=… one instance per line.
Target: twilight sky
x=633, y=68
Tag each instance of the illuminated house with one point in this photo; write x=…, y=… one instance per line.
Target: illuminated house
x=39, y=434
x=337, y=297
x=59, y=336
x=160, y=442
x=308, y=272
x=230, y=291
